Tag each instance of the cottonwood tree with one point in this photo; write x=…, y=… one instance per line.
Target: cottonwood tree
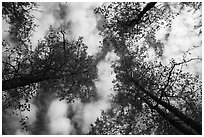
x=18, y=16
x=169, y=93
x=62, y=66
x=130, y=22
x=155, y=87
x=162, y=92
x=130, y=120
x=50, y=62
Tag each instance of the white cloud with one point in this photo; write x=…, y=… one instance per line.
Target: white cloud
x=20, y=132
x=58, y=121
x=106, y=76
x=43, y=19
x=182, y=37
x=30, y=114
x=86, y=114
x=60, y=126
x=92, y=111
x=5, y=28
x=104, y=88
x=10, y=122
x=84, y=24
x=12, y=119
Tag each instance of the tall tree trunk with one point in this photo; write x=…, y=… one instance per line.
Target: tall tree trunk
x=25, y=80
x=167, y=117
x=192, y=123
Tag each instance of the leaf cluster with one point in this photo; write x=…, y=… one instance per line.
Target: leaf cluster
x=18, y=15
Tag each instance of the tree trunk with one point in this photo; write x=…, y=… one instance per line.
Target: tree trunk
x=141, y=14
x=192, y=123
x=167, y=117
x=25, y=80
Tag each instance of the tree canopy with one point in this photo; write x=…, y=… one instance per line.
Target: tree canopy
x=164, y=89
x=59, y=65
x=149, y=97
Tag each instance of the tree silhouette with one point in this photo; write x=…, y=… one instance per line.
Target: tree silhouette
x=63, y=66
x=149, y=97
x=18, y=15
x=164, y=89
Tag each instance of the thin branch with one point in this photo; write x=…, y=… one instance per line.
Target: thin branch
x=187, y=61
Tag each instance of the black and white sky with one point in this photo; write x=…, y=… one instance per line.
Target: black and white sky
x=83, y=22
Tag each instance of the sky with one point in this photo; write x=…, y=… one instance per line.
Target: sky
x=84, y=23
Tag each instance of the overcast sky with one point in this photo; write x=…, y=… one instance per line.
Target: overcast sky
x=84, y=23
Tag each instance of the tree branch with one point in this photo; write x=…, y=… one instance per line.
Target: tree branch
x=187, y=120
x=23, y=81
x=167, y=117
x=141, y=14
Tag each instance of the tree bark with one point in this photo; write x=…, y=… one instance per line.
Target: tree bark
x=167, y=117
x=25, y=80
x=141, y=14
x=192, y=123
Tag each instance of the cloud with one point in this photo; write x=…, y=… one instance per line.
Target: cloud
x=106, y=75
x=31, y=114
x=11, y=119
x=43, y=19
x=60, y=126
x=182, y=37
x=92, y=111
x=10, y=122
x=86, y=114
x=52, y=119
x=77, y=18
x=83, y=23
x=5, y=28
x=58, y=121
x=104, y=87
x=20, y=132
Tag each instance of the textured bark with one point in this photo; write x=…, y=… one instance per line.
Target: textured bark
x=25, y=80
x=192, y=123
x=167, y=117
